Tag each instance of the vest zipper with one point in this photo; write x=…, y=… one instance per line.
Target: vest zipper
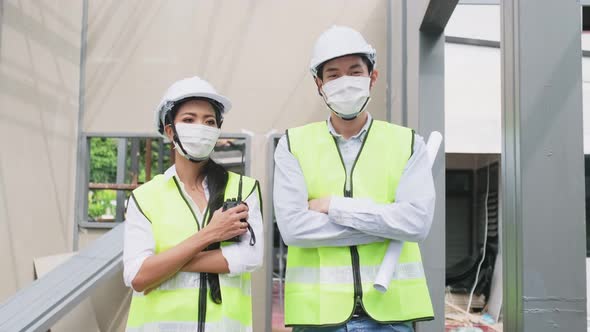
x=354, y=254
x=356, y=272
x=202, y=307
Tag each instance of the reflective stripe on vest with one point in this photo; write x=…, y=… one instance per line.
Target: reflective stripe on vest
x=188, y=280
x=224, y=325
x=343, y=274
x=323, y=284
x=174, y=305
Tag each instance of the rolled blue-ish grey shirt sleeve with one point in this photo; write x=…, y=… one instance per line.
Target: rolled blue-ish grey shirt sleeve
x=300, y=226
x=408, y=219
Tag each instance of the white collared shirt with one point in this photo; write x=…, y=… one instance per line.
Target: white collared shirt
x=140, y=244
x=353, y=221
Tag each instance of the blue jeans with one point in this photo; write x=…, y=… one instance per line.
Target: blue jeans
x=361, y=324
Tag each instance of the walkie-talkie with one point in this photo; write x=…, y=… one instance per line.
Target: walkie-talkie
x=233, y=202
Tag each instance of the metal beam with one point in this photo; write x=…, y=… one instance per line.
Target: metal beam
x=432, y=118
x=479, y=2
x=396, y=102
x=81, y=200
x=39, y=306
x=425, y=91
x=1, y=21
x=269, y=221
x=121, y=172
x=437, y=15
x=542, y=166
x=472, y=41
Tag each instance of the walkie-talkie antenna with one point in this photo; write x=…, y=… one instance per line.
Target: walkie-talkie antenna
x=241, y=173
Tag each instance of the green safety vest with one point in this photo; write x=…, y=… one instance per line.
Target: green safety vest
x=324, y=284
x=175, y=304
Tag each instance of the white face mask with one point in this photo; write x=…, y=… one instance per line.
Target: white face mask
x=197, y=140
x=347, y=96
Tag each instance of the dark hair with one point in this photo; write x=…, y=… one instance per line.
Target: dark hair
x=217, y=177
x=217, y=108
x=320, y=68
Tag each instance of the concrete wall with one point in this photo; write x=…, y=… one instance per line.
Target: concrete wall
x=39, y=78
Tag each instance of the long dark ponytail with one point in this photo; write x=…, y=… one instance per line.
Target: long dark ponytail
x=217, y=178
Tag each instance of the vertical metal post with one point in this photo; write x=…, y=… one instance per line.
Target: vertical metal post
x=247, y=155
x=431, y=117
x=404, y=64
x=161, y=152
x=121, y=166
x=134, y=154
x=270, y=225
x=390, y=55
x=542, y=167
x=431, y=92
x=1, y=20
x=396, y=69
x=148, y=159
x=82, y=156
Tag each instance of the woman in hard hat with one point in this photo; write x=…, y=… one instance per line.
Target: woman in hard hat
x=185, y=274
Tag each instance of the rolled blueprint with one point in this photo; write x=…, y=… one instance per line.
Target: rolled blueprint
x=387, y=268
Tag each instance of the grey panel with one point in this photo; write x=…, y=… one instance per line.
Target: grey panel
x=431, y=118
x=542, y=166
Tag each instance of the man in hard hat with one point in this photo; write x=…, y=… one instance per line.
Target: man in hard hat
x=343, y=189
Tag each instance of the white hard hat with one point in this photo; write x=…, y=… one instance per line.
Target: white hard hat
x=339, y=41
x=185, y=88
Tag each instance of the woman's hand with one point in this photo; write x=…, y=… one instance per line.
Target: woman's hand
x=225, y=225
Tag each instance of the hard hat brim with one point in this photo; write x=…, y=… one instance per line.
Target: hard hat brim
x=217, y=97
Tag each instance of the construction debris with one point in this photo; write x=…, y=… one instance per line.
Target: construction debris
x=459, y=320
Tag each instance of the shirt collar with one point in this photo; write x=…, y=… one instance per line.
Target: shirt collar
x=360, y=135
x=171, y=172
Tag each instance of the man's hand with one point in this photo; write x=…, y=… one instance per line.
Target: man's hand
x=321, y=205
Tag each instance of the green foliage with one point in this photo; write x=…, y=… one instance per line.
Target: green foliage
x=103, y=160
x=99, y=201
x=103, y=169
